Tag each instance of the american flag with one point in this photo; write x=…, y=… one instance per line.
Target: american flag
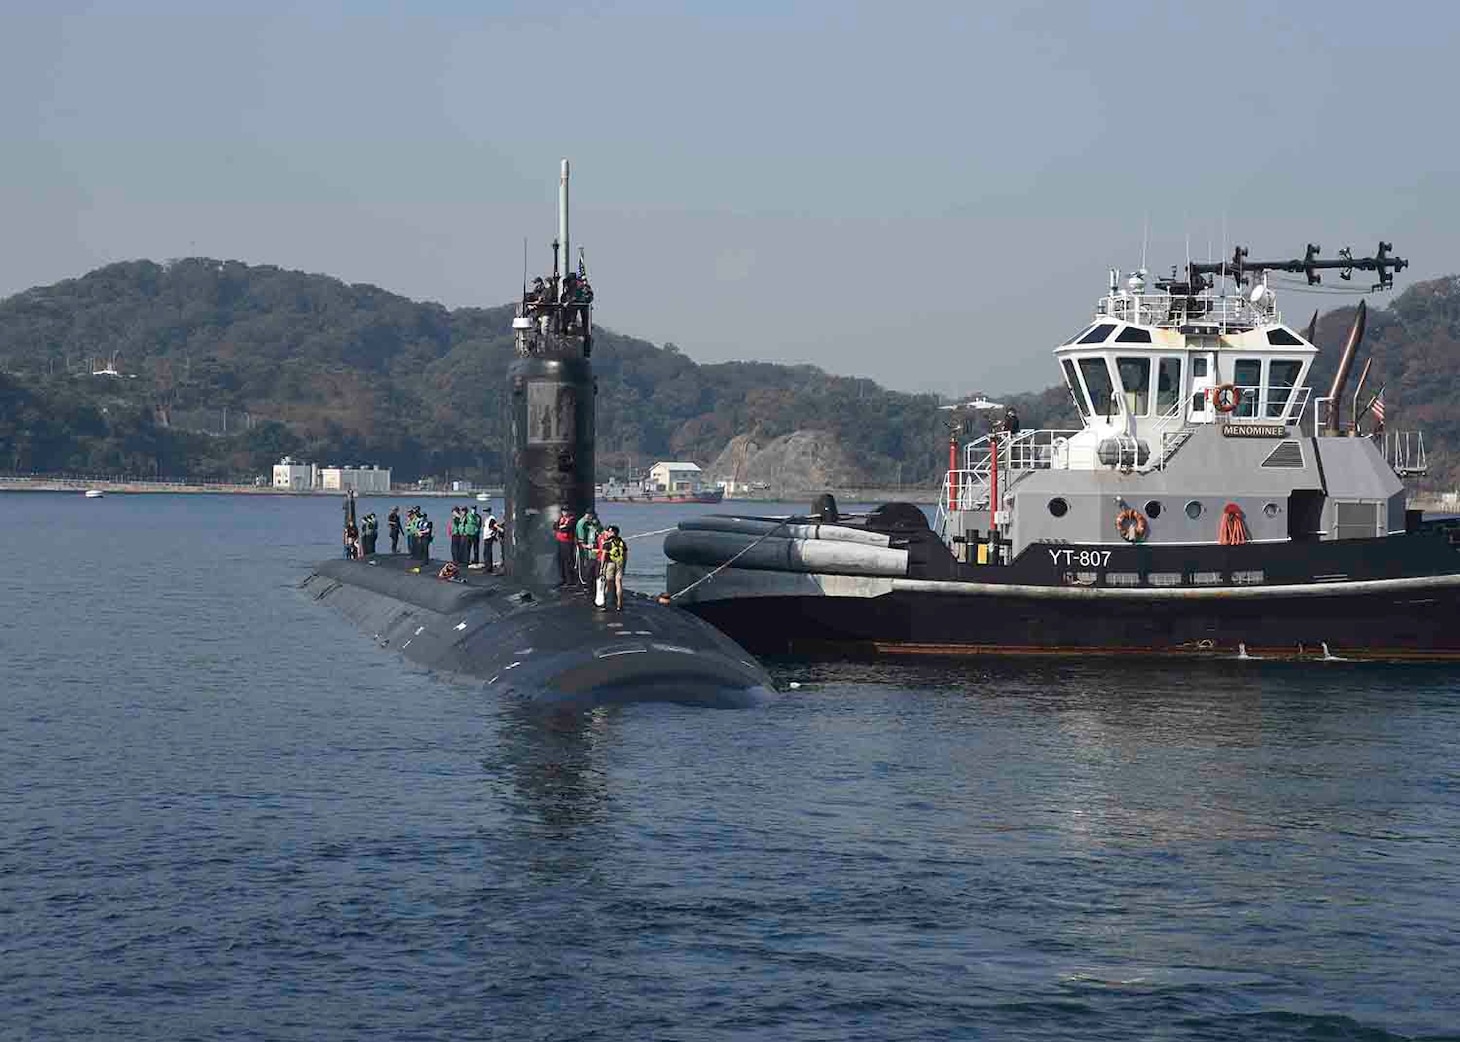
x=1376, y=406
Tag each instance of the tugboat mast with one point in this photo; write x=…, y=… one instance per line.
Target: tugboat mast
x=1308, y=265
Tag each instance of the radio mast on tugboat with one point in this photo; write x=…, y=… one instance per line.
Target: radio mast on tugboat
x=1208, y=502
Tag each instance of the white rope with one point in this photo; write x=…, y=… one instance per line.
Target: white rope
x=657, y=531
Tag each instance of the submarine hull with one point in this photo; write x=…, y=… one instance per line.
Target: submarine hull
x=550, y=646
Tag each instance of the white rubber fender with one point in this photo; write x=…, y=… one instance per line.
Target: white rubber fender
x=784, y=555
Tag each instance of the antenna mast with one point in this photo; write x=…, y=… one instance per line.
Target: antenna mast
x=563, y=224
x=1382, y=262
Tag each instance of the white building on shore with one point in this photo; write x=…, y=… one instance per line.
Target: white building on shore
x=361, y=479
x=295, y=476
x=669, y=476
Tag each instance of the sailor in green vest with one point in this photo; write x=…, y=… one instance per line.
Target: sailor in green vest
x=587, y=531
x=474, y=535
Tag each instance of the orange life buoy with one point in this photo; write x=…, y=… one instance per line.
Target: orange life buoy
x=1131, y=524
x=1224, y=398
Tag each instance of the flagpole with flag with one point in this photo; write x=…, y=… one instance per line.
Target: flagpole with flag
x=1376, y=406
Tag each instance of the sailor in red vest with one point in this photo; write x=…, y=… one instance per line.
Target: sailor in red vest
x=567, y=547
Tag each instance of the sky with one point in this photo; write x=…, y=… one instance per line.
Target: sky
x=926, y=194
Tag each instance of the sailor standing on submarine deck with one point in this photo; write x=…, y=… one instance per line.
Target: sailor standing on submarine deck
x=567, y=547
x=491, y=532
x=474, y=535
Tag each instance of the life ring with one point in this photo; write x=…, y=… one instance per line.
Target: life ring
x=1224, y=398
x=1131, y=524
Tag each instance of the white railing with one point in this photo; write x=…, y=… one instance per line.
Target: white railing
x=1027, y=450
x=1019, y=454
x=1405, y=451
x=1170, y=433
x=1163, y=309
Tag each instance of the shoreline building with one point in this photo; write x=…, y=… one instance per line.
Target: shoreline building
x=361, y=479
x=295, y=476
x=670, y=476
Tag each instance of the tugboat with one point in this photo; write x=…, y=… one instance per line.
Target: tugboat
x=1209, y=504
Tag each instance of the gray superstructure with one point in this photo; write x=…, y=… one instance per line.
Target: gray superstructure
x=1194, y=406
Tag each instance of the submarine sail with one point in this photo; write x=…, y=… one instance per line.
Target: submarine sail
x=522, y=631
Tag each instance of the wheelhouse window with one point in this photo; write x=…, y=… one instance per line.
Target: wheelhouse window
x=1247, y=376
x=1097, y=335
x=1282, y=376
x=1133, y=335
x=1077, y=336
x=1168, y=385
x=1199, y=367
x=1280, y=337
x=1097, y=382
x=1135, y=378
x=1075, y=390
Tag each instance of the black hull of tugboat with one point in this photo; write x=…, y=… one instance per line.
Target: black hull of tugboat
x=1396, y=597
x=1415, y=624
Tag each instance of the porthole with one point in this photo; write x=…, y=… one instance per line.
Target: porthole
x=1271, y=510
x=1153, y=508
x=1058, y=507
x=1193, y=509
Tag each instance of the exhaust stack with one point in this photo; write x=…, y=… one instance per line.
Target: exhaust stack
x=1345, y=363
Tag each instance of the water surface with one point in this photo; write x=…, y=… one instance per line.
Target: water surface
x=227, y=814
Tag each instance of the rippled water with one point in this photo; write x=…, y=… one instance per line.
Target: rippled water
x=226, y=814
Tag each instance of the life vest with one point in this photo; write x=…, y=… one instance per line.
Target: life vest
x=563, y=528
x=617, y=550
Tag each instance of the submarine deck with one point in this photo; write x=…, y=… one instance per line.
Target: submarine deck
x=491, y=626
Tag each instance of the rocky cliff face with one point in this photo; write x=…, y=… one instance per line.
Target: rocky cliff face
x=805, y=459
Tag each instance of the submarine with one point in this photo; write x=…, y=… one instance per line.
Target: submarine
x=520, y=632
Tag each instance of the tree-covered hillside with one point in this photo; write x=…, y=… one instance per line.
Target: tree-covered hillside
x=334, y=372
x=309, y=365
x=1415, y=344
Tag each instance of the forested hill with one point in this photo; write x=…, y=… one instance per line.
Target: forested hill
x=309, y=365
x=1415, y=343
x=349, y=373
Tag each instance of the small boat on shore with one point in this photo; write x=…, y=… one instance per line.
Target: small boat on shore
x=1208, y=505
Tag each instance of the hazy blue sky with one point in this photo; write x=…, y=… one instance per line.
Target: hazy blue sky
x=927, y=194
